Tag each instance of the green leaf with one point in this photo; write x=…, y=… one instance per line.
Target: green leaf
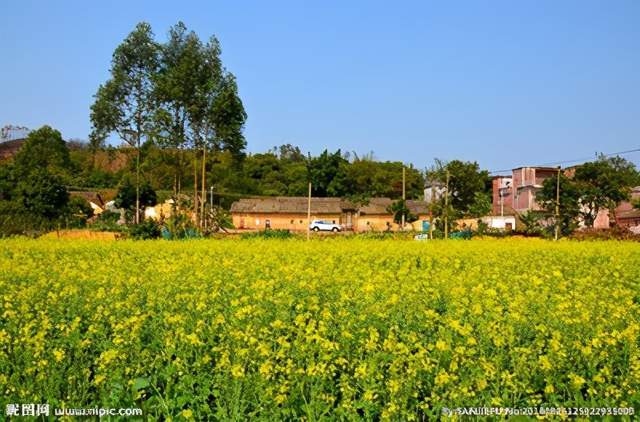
x=140, y=383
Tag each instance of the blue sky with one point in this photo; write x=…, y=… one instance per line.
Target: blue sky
x=505, y=83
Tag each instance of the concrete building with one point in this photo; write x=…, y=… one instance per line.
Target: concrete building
x=502, y=195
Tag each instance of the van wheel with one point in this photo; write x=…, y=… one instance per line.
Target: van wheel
x=315, y=229
x=335, y=230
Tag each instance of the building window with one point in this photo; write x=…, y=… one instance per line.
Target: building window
x=300, y=221
x=291, y=221
x=267, y=224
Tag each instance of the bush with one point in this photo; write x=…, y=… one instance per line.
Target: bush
x=78, y=211
x=108, y=221
x=614, y=233
x=268, y=234
x=179, y=227
x=148, y=229
x=14, y=220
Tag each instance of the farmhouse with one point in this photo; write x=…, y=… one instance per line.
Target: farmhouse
x=290, y=213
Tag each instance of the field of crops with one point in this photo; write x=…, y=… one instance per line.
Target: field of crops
x=331, y=328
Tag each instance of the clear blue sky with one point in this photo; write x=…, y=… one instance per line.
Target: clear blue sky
x=505, y=83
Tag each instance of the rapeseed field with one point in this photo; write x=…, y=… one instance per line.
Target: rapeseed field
x=338, y=329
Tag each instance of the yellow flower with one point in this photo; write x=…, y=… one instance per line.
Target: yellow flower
x=237, y=371
x=58, y=355
x=187, y=413
x=544, y=362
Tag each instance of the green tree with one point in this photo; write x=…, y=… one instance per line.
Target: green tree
x=128, y=197
x=604, y=184
x=42, y=195
x=327, y=174
x=125, y=104
x=569, y=207
x=481, y=205
x=530, y=221
x=44, y=149
x=375, y=179
x=181, y=73
x=399, y=208
x=465, y=180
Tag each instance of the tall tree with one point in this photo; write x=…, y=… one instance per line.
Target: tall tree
x=327, y=173
x=604, y=184
x=125, y=104
x=180, y=75
x=217, y=115
x=44, y=149
x=568, y=207
x=465, y=180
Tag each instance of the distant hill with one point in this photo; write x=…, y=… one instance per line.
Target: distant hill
x=9, y=148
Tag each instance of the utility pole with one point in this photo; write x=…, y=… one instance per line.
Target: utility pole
x=557, y=205
x=501, y=192
x=431, y=212
x=446, y=208
x=404, y=195
x=309, y=213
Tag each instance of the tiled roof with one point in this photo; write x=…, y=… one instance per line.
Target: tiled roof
x=297, y=205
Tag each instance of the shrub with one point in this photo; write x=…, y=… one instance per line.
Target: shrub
x=148, y=229
x=268, y=234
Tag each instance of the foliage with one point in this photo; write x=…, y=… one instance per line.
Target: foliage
x=147, y=229
x=530, y=222
x=268, y=234
x=481, y=205
x=613, y=233
x=107, y=221
x=179, y=227
x=569, y=206
x=465, y=181
x=78, y=212
x=399, y=209
x=126, y=196
x=44, y=150
x=398, y=330
x=603, y=184
x=327, y=173
x=440, y=211
x=125, y=103
x=42, y=194
x=217, y=219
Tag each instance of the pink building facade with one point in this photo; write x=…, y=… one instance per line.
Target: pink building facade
x=516, y=194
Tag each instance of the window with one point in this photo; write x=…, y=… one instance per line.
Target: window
x=291, y=221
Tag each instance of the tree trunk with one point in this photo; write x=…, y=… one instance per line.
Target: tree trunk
x=203, y=200
x=195, y=187
x=138, y=180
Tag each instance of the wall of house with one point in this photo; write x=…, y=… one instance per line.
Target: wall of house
x=289, y=221
x=298, y=222
x=507, y=198
x=383, y=222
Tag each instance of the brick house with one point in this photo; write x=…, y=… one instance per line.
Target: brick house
x=290, y=213
x=502, y=195
x=626, y=214
x=516, y=194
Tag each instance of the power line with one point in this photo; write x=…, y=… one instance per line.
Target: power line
x=557, y=163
